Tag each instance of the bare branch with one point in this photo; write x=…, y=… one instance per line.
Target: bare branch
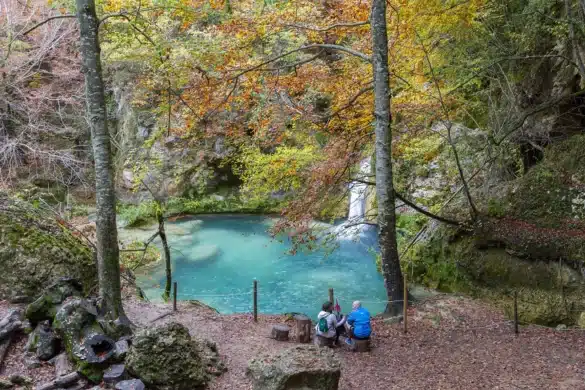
x=46, y=21
x=474, y=211
x=328, y=28
x=425, y=212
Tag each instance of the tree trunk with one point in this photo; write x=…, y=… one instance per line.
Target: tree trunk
x=108, y=256
x=383, y=146
x=304, y=326
x=167, y=251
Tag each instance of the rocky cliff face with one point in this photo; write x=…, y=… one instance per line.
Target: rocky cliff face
x=168, y=163
x=36, y=250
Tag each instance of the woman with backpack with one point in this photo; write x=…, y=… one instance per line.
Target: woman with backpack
x=327, y=324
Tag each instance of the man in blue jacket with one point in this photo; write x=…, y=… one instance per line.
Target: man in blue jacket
x=359, y=322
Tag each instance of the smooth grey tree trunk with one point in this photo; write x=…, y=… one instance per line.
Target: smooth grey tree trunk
x=383, y=146
x=108, y=255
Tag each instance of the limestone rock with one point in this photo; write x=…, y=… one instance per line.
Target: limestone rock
x=304, y=367
x=115, y=374
x=31, y=361
x=45, y=307
x=62, y=365
x=20, y=380
x=133, y=384
x=35, y=250
x=86, y=344
x=5, y=384
x=394, y=320
x=581, y=321
x=167, y=358
x=121, y=349
x=47, y=343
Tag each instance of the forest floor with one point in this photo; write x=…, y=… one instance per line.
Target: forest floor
x=452, y=343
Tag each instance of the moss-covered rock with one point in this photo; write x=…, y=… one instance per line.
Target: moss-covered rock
x=46, y=306
x=86, y=343
x=529, y=238
x=302, y=367
x=166, y=358
x=454, y=260
x=36, y=250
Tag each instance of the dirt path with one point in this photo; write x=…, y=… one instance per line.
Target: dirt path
x=453, y=343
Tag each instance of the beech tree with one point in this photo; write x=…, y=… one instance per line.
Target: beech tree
x=383, y=146
x=108, y=255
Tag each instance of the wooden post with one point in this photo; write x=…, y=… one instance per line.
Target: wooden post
x=303, y=328
x=255, y=300
x=405, y=307
x=516, y=312
x=175, y=296
x=331, y=296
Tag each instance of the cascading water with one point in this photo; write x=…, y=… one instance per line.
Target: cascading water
x=354, y=225
x=357, y=197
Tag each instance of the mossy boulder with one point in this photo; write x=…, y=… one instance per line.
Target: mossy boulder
x=456, y=260
x=36, y=250
x=46, y=306
x=167, y=358
x=302, y=367
x=86, y=343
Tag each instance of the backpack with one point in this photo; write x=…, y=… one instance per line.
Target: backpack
x=323, y=327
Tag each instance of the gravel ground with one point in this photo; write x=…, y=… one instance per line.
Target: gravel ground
x=452, y=343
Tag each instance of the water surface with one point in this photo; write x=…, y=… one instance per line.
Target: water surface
x=216, y=259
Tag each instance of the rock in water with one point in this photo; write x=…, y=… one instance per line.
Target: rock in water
x=166, y=358
x=85, y=342
x=36, y=250
x=304, y=367
x=133, y=384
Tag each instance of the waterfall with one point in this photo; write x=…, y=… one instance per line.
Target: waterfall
x=357, y=205
x=357, y=197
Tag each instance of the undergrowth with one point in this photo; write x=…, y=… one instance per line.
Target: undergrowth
x=144, y=213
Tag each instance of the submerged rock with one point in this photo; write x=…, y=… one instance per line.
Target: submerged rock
x=306, y=367
x=167, y=358
x=203, y=253
x=36, y=250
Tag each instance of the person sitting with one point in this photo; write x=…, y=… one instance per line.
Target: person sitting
x=359, y=323
x=327, y=324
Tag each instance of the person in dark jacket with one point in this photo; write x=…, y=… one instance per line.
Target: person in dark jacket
x=359, y=322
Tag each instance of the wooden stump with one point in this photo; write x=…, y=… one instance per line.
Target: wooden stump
x=304, y=326
x=362, y=345
x=280, y=332
x=324, y=341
